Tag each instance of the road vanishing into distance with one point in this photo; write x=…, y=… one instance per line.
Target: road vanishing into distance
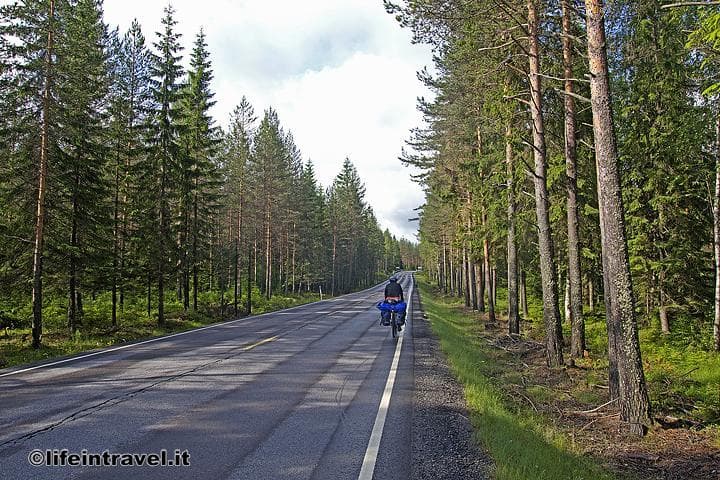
x=319, y=391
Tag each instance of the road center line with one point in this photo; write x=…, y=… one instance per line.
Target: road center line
x=152, y=340
x=261, y=342
x=166, y=337
x=373, y=448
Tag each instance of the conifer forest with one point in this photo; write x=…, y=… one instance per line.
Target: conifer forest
x=118, y=189
x=569, y=154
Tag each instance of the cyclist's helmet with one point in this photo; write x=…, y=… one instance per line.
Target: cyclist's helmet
x=393, y=279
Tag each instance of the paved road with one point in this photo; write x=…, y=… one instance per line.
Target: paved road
x=289, y=395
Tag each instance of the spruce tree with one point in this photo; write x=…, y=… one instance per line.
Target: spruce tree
x=198, y=173
x=161, y=165
x=82, y=89
x=130, y=101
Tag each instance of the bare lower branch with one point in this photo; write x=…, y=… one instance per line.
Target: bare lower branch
x=14, y=237
x=517, y=97
x=690, y=4
x=574, y=95
x=498, y=47
x=550, y=77
x=591, y=147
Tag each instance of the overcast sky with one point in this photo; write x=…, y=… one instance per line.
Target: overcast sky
x=340, y=73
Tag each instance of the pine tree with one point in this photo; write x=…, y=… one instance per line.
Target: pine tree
x=29, y=87
x=268, y=170
x=627, y=379
x=237, y=149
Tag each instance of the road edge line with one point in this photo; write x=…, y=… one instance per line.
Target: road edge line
x=373, y=448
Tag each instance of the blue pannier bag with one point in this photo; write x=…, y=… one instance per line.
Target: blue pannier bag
x=391, y=307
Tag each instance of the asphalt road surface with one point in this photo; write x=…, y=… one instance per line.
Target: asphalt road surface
x=304, y=393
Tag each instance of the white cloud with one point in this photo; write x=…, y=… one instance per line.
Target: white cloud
x=340, y=73
x=358, y=110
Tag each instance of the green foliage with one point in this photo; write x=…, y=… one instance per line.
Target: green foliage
x=521, y=442
x=662, y=129
x=356, y=240
x=149, y=204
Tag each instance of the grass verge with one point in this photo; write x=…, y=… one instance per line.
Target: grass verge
x=523, y=444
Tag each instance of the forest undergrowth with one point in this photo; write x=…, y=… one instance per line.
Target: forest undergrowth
x=539, y=422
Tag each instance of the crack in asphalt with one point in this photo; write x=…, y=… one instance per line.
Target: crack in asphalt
x=116, y=400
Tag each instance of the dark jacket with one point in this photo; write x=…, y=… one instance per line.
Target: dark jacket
x=393, y=289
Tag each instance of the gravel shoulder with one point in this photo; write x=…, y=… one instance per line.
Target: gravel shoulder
x=442, y=436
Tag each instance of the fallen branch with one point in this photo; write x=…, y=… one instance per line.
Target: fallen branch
x=584, y=412
x=528, y=399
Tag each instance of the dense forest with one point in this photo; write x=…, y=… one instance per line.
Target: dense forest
x=570, y=153
x=116, y=182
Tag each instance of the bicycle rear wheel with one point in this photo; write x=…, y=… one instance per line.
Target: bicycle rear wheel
x=393, y=323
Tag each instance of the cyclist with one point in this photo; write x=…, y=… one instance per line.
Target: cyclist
x=394, y=294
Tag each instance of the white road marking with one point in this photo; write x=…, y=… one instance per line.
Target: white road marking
x=373, y=448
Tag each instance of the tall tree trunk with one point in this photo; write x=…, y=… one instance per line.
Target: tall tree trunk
x=184, y=246
x=591, y=294
x=161, y=254
x=480, y=279
x=268, y=264
x=116, y=240
x=494, y=285
x=568, y=313
x=623, y=343
x=248, y=308
x=551, y=310
x=185, y=274
x=523, y=294
x=466, y=276
x=577, y=338
x=471, y=294
x=716, y=234
x=444, y=274
x=72, y=277
x=334, y=261
x=473, y=285
x=663, y=308
x=459, y=279
x=236, y=269
x=211, y=254
x=438, y=277
x=195, y=268
x=39, y=243
x=488, y=276
x=451, y=262
x=294, y=248
x=512, y=265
